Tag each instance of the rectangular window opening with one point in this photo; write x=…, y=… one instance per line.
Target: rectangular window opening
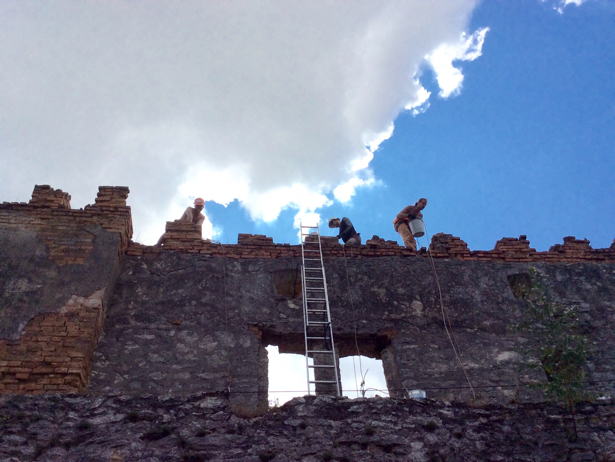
x=287, y=376
x=357, y=369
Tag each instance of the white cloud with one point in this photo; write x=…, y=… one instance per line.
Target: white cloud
x=564, y=3
x=271, y=102
x=421, y=101
x=345, y=191
x=441, y=60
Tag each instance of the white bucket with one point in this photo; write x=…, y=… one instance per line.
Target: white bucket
x=417, y=227
x=417, y=394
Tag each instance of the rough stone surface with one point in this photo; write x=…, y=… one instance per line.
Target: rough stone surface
x=198, y=428
x=167, y=325
x=31, y=284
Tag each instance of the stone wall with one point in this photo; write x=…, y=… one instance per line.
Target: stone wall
x=195, y=316
x=183, y=323
x=57, y=273
x=199, y=428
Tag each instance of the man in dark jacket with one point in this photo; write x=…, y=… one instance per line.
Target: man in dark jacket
x=347, y=232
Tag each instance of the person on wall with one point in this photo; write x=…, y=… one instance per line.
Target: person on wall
x=347, y=232
x=403, y=219
x=192, y=214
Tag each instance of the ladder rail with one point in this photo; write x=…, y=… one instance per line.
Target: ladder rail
x=305, y=324
x=311, y=257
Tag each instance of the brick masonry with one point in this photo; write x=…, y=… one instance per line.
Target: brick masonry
x=186, y=238
x=57, y=270
x=54, y=353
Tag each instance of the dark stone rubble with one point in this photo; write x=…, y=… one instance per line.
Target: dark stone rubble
x=199, y=427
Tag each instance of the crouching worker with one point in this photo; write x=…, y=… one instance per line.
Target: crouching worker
x=403, y=219
x=347, y=232
x=192, y=214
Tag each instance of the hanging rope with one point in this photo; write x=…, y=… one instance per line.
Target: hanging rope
x=445, y=318
x=354, y=320
x=226, y=340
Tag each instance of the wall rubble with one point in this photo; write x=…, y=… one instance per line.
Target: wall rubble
x=198, y=428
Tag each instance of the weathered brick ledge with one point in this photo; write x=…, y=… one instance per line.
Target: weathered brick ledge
x=183, y=237
x=63, y=228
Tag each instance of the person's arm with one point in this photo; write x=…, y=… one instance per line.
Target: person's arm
x=408, y=212
x=187, y=216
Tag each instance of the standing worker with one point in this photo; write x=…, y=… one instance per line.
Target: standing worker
x=347, y=232
x=403, y=219
x=192, y=214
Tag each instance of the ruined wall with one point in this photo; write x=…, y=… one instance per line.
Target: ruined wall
x=195, y=316
x=57, y=273
x=182, y=323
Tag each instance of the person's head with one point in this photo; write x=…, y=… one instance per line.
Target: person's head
x=199, y=204
x=334, y=222
x=422, y=203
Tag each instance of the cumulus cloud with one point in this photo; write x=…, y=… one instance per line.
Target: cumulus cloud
x=441, y=60
x=277, y=104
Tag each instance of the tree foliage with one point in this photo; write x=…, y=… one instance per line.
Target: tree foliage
x=555, y=339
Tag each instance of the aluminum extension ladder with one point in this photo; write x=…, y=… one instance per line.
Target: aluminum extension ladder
x=323, y=372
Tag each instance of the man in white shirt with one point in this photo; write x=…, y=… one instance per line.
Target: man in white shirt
x=192, y=214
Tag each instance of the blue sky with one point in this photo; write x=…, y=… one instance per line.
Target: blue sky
x=527, y=147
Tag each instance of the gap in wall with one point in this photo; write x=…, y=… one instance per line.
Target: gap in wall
x=375, y=383
x=287, y=376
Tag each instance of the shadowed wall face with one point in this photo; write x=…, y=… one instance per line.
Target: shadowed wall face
x=186, y=323
x=57, y=273
x=51, y=315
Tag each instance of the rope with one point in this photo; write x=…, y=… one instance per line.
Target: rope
x=458, y=387
x=448, y=328
x=354, y=320
x=226, y=340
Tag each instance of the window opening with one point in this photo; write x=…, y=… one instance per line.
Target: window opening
x=373, y=372
x=287, y=378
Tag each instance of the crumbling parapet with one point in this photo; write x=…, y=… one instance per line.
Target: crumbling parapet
x=186, y=239
x=112, y=196
x=448, y=245
x=44, y=195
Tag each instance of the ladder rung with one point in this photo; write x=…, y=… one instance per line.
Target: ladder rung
x=310, y=299
x=320, y=365
x=316, y=311
x=317, y=323
x=314, y=279
x=323, y=381
x=320, y=351
x=312, y=259
x=317, y=338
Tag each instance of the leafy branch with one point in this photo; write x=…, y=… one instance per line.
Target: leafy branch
x=555, y=339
